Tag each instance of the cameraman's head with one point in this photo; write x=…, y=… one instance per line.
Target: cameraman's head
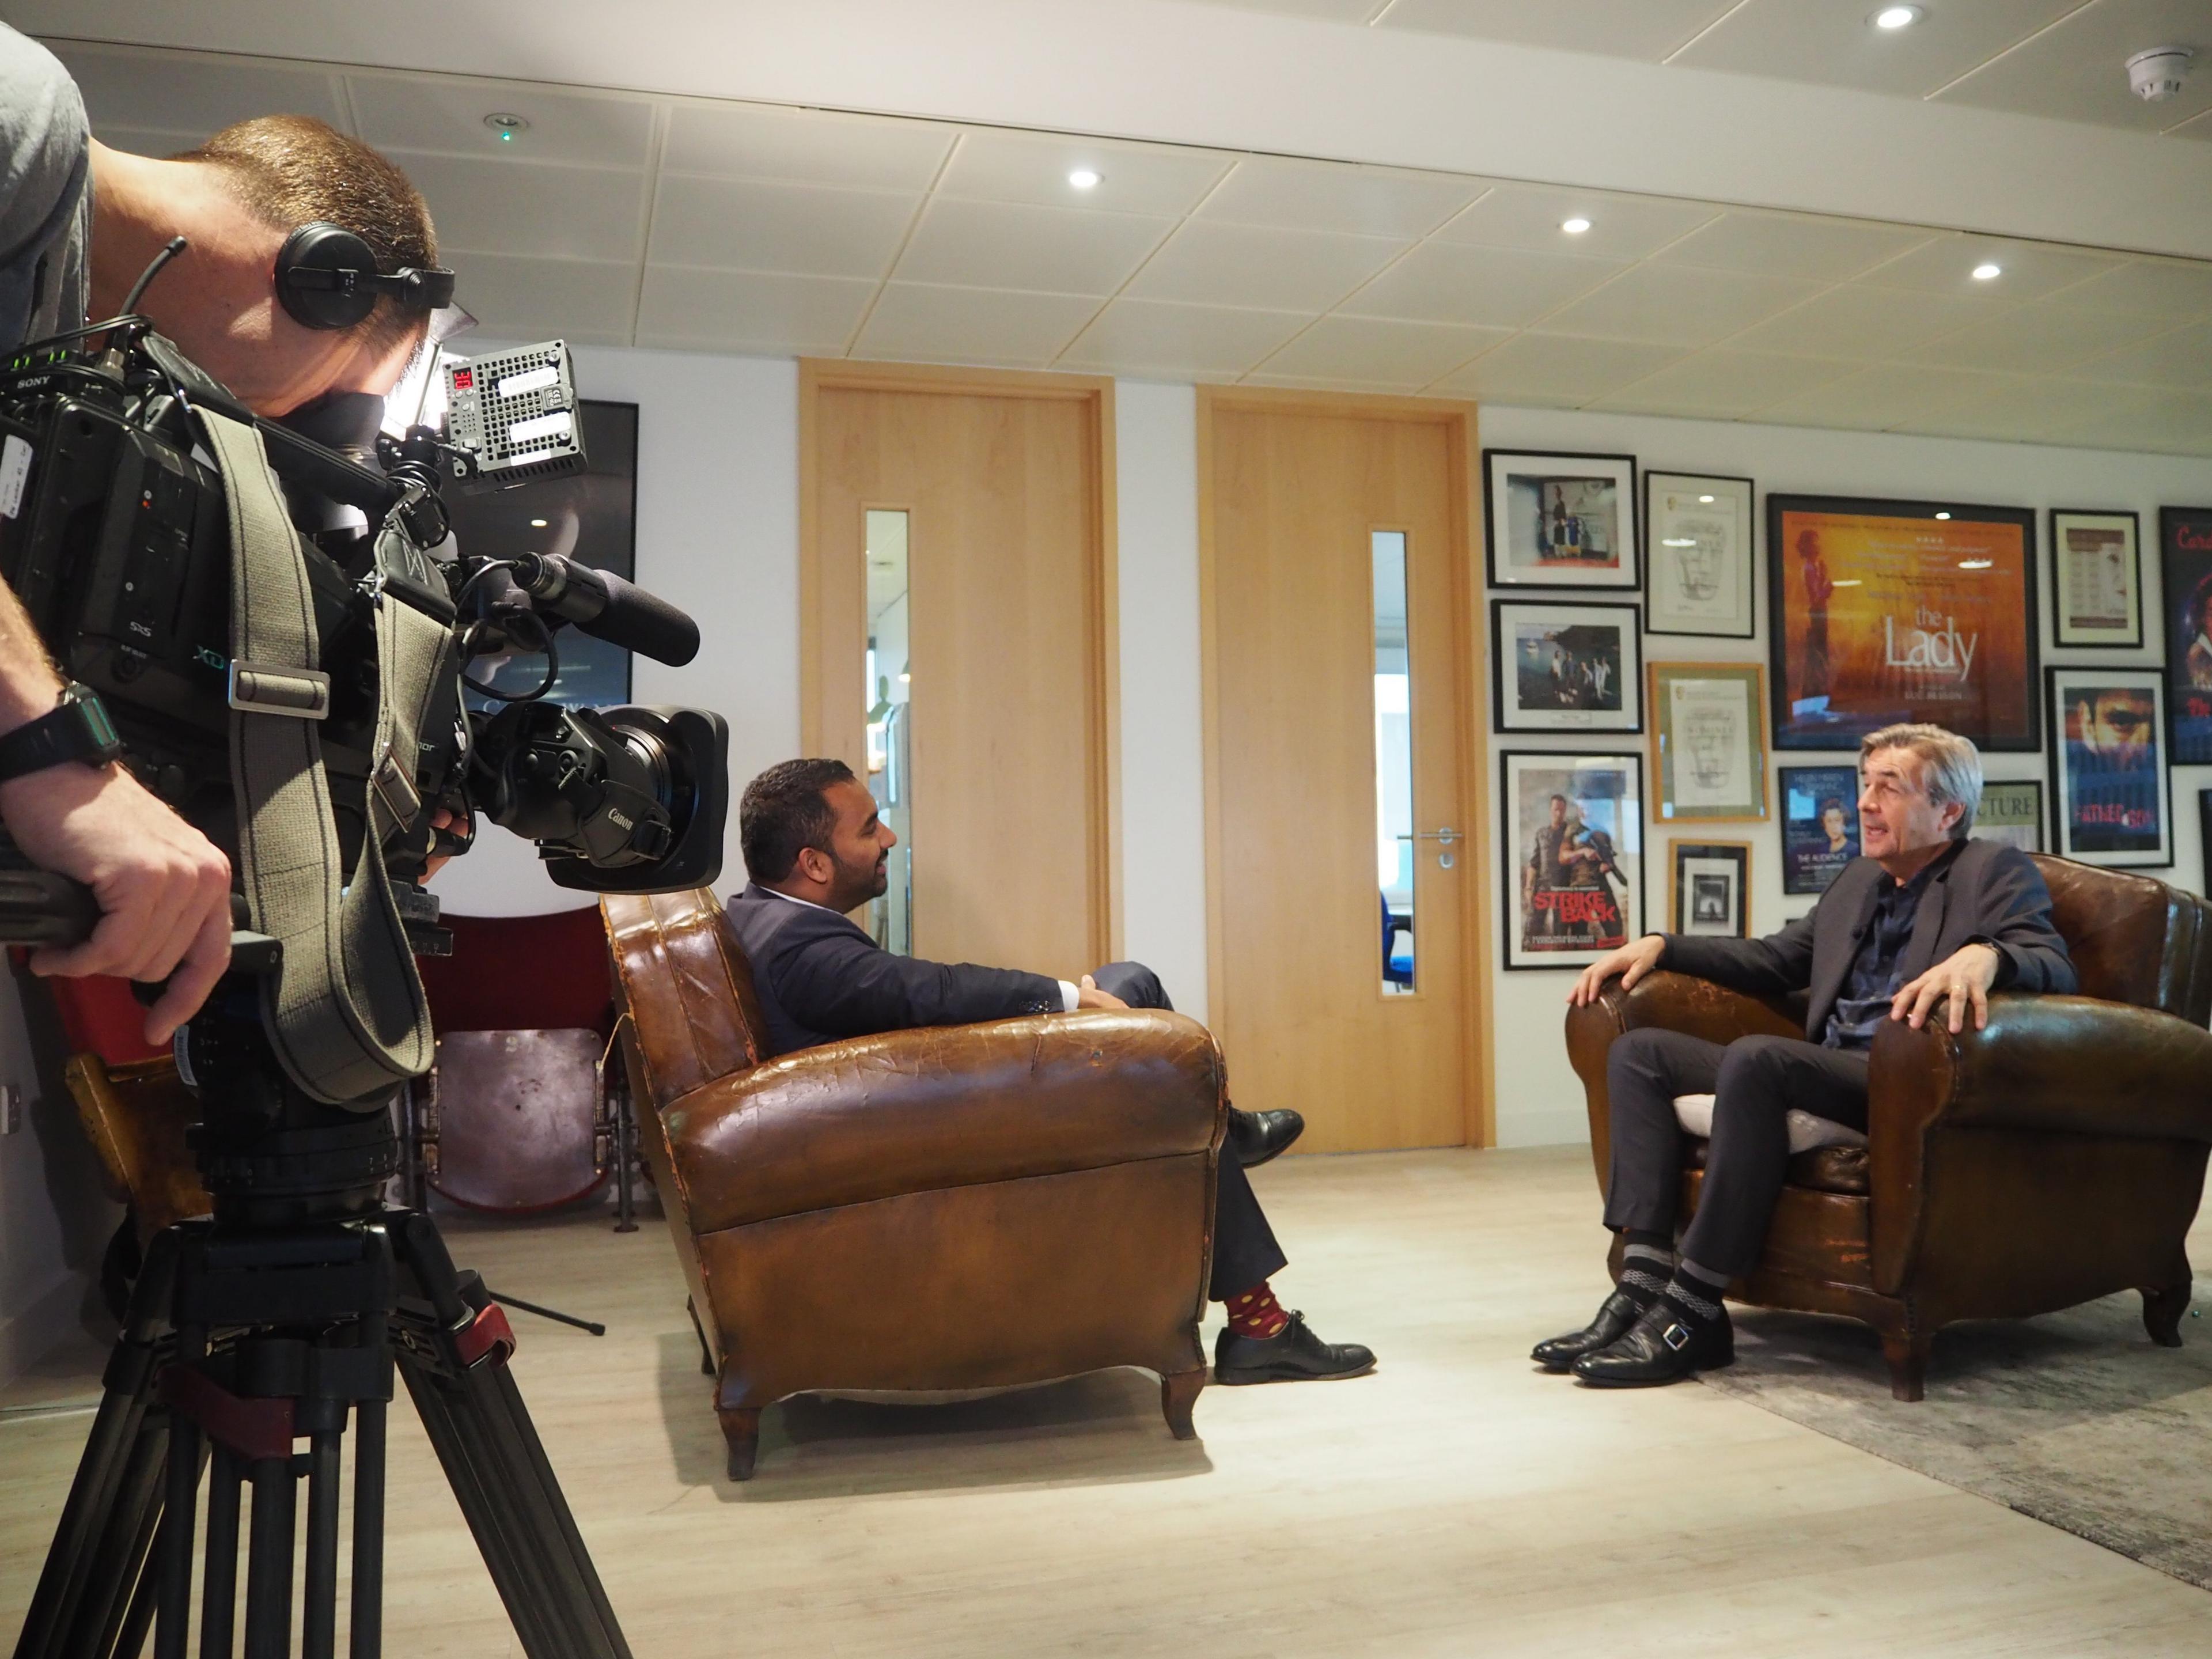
x=236, y=199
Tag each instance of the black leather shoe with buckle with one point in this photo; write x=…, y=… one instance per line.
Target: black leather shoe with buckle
x=1256, y=1137
x=1614, y=1316
x=1659, y=1348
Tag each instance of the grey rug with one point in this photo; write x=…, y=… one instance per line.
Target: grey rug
x=2076, y=1418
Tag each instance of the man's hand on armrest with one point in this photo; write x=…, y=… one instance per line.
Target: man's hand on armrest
x=1963, y=978
x=1088, y=995
x=1631, y=962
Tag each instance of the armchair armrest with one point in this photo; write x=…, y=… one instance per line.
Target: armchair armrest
x=2066, y=1065
x=910, y=1111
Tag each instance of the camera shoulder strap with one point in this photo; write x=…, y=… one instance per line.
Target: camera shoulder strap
x=344, y=1009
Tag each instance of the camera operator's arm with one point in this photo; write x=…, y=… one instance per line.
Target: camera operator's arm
x=163, y=888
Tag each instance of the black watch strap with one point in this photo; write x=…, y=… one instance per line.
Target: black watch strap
x=77, y=729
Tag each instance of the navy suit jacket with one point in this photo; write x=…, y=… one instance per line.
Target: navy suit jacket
x=819, y=977
x=1990, y=893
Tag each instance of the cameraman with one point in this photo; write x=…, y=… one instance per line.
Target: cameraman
x=78, y=222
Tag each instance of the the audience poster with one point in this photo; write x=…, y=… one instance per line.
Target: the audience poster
x=2185, y=535
x=1697, y=555
x=1901, y=610
x=1574, y=856
x=1709, y=741
x=2113, y=798
x=1820, y=825
x=1559, y=520
x=1712, y=889
x=1561, y=668
x=2011, y=811
x=2096, y=576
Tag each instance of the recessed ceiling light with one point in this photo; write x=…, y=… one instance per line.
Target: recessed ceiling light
x=1942, y=515
x=505, y=125
x=1896, y=17
x=537, y=523
x=1086, y=178
x=1576, y=226
x=1705, y=500
x=1988, y=271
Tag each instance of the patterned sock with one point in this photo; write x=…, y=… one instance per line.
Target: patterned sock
x=1644, y=1268
x=1256, y=1313
x=1694, y=1294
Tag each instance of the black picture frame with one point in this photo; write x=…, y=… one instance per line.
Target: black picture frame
x=1507, y=712
x=1808, y=866
x=1682, y=895
x=1790, y=732
x=1497, y=521
x=1628, y=860
x=2064, y=784
x=2115, y=640
x=2185, y=552
x=1746, y=556
x=2041, y=814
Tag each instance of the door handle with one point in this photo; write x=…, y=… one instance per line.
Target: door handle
x=1447, y=838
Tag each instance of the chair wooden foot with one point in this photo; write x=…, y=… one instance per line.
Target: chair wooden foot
x=2163, y=1308
x=741, y=1430
x=706, y=1353
x=1907, y=1353
x=1178, y=1396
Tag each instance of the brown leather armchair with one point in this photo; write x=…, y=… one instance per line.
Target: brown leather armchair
x=2055, y=1156
x=967, y=1207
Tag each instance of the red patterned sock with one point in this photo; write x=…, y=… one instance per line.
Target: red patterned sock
x=1256, y=1313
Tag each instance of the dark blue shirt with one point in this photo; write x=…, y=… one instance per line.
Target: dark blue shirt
x=1878, y=971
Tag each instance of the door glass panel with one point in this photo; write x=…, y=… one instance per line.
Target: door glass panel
x=891, y=746
x=1394, y=844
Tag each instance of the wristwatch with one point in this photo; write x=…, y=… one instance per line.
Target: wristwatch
x=77, y=729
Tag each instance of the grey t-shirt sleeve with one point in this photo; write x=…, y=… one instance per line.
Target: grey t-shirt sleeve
x=45, y=196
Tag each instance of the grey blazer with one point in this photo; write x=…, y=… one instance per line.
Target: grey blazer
x=1989, y=894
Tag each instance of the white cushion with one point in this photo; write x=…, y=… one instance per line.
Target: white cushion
x=1695, y=1114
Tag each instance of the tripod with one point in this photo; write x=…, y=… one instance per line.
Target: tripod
x=238, y=1342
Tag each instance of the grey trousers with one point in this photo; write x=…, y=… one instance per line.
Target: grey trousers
x=1756, y=1081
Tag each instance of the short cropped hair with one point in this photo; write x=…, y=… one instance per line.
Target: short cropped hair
x=293, y=170
x=1950, y=767
x=784, y=811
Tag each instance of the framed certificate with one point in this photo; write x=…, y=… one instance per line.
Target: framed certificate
x=1698, y=557
x=2096, y=579
x=1709, y=741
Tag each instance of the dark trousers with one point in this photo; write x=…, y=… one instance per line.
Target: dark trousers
x=1245, y=1247
x=1755, y=1080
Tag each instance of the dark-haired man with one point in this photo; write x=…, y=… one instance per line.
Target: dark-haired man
x=78, y=222
x=816, y=847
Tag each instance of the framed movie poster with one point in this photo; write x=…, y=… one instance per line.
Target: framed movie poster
x=1710, y=893
x=1709, y=741
x=2113, y=803
x=2011, y=811
x=1559, y=520
x=1901, y=610
x=1560, y=667
x=2185, y=535
x=1574, y=856
x=1697, y=555
x=1820, y=825
x=2096, y=579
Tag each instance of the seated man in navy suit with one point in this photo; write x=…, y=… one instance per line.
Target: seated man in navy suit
x=816, y=848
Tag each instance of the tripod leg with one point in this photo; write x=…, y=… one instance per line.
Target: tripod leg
x=269, y=1560
x=219, y=1582
x=553, y=1314
x=319, y=1634
x=173, y=1565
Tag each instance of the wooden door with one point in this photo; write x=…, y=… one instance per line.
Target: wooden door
x=1002, y=481
x=1298, y=489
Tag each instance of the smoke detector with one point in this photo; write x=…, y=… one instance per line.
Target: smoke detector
x=2157, y=75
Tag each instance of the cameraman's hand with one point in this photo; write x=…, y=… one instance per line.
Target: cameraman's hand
x=444, y=818
x=1088, y=995
x=163, y=888
x=1631, y=962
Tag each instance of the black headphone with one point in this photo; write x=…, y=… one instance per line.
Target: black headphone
x=327, y=277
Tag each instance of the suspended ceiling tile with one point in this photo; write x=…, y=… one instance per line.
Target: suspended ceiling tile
x=973, y=324
x=1881, y=396
x=2156, y=423
x=1834, y=41
x=1261, y=266
x=799, y=229
x=1318, y=383
x=1160, y=336
x=1407, y=355
x=2042, y=338
x=516, y=207
x=804, y=146
x=2076, y=71
x=1724, y=384
x=1501, y=288
x=1009, y=245
x=1554, y=369
x=1792, y=245
x=192, y=92
x=992, y=165
x=1648, y=29
x=743, y=311
x=2174, y=288
x=513, y=297
x=1333, y=11
x=1333, y=196
x=1529, y=216
x=1675, y=305
x=446, y=116
x=2182, y=357
x=2026, y=270
x=1856, y=320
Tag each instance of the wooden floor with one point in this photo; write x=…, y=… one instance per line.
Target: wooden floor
x=1457, y=1502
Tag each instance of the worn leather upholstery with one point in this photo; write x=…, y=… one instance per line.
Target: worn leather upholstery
x=2056, y=1155
x=969, y=1206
